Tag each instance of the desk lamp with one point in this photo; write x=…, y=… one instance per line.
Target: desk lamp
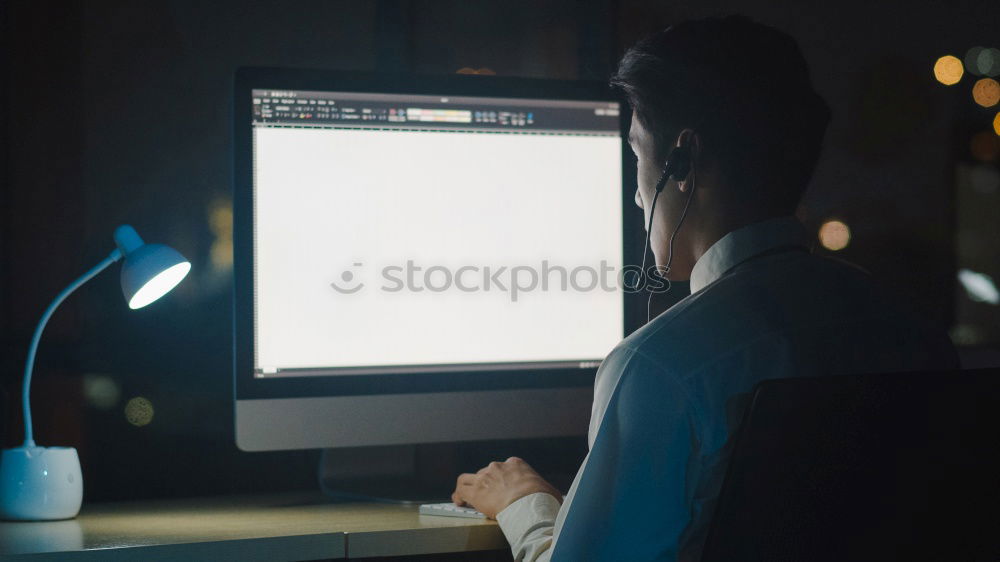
x=45, y=483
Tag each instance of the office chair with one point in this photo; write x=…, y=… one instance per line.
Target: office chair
x=870, y=467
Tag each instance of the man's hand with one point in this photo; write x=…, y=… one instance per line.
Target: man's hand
x=498, y=485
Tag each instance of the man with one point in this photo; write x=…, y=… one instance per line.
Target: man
x=736, y=97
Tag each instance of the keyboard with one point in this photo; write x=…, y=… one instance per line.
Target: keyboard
x=449, y=509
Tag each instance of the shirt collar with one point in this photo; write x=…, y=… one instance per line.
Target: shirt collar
x=743, y=244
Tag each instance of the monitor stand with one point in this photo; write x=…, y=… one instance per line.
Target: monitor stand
x=402, y=474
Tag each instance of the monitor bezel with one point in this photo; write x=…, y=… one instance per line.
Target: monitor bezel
x=246, y=385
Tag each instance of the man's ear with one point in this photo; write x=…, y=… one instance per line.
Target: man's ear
x=688, y=137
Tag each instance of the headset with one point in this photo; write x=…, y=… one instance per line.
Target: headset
x=677, y=167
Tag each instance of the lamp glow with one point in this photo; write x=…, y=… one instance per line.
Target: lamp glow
x=45, y=483
x=159, y=285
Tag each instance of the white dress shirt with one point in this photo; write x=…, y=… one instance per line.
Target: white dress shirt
x=668, y=397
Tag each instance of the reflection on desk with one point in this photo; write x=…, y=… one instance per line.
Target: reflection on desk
x=276, y=527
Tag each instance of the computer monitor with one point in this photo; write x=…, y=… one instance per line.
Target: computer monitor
x=422, y=259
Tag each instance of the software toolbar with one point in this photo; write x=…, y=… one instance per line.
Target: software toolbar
x=311, y=108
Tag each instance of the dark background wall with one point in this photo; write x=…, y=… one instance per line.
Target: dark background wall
x=117, y=112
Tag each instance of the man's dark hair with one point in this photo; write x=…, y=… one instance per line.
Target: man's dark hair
x=745, y=89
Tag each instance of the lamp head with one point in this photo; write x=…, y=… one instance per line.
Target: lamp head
x=150, y=270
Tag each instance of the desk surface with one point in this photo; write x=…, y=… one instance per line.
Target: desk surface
x=276, y=527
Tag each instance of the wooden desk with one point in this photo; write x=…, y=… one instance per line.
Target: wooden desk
x=277, y=527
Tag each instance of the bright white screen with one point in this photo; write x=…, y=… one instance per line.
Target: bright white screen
x=327, y=198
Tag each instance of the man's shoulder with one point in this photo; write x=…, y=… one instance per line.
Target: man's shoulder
x=667, y=339
x=771, y=297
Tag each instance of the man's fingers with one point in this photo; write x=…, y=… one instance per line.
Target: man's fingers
x=464, y=481
x=463, y=486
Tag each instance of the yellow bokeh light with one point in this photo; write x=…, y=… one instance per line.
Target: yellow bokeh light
x=996, y=123
x=139, y=411
x=948, y=70
x=986, y=92
x=834, y=235
x=221, y=254
x=220, y=220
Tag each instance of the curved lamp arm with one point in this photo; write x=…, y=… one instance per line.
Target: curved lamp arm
x=29, y=440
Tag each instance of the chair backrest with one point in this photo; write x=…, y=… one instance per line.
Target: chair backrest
x=870, y=467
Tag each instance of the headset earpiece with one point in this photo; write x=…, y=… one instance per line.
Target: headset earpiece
x=681, y=158
x=678, y=166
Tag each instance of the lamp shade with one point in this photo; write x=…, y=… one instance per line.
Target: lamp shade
x=149, y=271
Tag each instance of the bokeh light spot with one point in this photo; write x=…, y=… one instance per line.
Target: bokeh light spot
x=834, y=235
x=966, y=334
x=220, y=220
x=985, y=146
x=988, y=62
x=986, y=92
x=469, y=70
x=948, y=70
x=101, y=391
x=972, y=60
x=139, y=411
x=979, y=287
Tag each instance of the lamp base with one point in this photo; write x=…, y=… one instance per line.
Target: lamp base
x=40, y=484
